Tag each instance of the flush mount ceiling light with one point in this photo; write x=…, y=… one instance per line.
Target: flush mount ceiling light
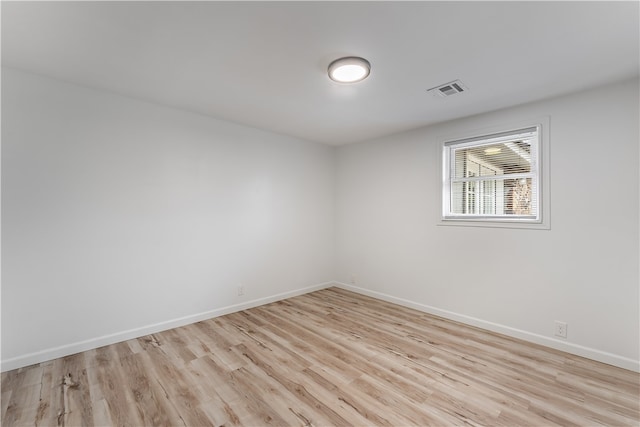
x=351, y=69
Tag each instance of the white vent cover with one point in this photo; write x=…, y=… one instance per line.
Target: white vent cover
x=448, y=89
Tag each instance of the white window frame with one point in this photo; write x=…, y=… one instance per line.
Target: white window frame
x=540, y=161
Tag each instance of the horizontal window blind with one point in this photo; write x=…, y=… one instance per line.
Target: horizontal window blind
x=495, y=176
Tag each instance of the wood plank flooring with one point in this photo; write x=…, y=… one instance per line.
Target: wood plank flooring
x=331, y=357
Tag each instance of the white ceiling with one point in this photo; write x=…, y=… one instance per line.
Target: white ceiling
x=263, y=64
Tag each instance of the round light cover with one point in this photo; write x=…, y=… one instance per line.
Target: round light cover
x=492, y=150
x=349, y=70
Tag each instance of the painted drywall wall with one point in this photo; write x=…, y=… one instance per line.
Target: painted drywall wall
x=121, y=217
x=583, y=271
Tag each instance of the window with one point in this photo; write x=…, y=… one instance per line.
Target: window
x=494, y=178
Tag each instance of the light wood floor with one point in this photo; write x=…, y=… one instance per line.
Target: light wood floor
x=331, y=357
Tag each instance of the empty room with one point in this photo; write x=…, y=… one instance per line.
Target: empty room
x=320, y=213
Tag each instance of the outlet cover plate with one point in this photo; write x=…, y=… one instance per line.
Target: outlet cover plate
x=561, y=329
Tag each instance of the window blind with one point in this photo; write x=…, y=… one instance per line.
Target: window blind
x=494, y=176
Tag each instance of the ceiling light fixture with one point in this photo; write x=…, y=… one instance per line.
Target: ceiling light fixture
x=350, y=69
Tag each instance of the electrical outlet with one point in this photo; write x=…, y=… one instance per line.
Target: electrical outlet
x=353, y=279
x=561, y=329
x=240, y=290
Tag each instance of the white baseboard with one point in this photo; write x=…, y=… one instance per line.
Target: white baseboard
x=77, y=347
x=578, y=350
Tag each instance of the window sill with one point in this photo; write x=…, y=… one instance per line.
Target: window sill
x=493, y=223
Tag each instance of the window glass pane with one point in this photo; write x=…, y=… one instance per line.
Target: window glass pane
x=459, y=197
x=493, y=197
x=518, y=198
x=511, y=157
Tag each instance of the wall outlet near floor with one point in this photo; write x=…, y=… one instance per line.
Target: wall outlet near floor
x=561, y=329
x=240, y=290
x=353, y=279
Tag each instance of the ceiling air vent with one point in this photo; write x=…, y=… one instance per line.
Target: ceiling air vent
x=448, y=89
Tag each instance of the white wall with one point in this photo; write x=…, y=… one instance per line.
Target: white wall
x=583, y=271
x=122, y=217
